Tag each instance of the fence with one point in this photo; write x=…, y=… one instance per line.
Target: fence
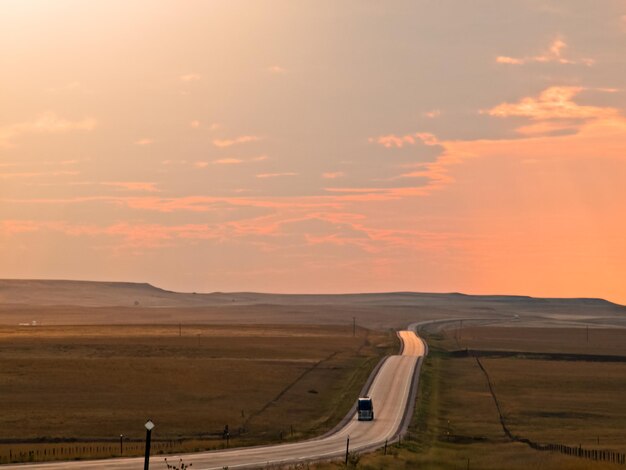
x=21, y=453
x=591, y=454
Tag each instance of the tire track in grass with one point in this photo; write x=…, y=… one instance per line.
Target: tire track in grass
x=287, y=388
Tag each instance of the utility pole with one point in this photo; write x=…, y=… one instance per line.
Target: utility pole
x=347, y=449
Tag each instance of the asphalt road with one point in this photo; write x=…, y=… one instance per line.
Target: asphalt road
x=390, y=392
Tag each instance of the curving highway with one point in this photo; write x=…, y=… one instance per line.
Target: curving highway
x=391, y=392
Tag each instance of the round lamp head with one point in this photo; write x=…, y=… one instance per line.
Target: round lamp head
x=149, y=425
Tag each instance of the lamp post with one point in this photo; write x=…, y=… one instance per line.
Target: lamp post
x=121, y=444
x=149, y=427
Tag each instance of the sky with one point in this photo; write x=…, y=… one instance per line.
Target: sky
x=316, y=146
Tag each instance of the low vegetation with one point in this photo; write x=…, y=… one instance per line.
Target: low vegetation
x=456, y=424
x=70, y=392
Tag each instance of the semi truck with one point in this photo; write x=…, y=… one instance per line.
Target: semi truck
x=365, y=409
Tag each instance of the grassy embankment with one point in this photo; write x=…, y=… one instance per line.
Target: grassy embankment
x=69, y=392
x=456, y=424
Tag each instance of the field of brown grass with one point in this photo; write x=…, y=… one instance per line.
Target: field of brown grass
x=93, y=383
x=456, y=427
x=594, y=340
x=570, y=402
x=456, y=423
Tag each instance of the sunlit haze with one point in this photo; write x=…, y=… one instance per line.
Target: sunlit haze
x=316, y=146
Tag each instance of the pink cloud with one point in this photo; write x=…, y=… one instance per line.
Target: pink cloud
x=227, y=161
x=133, y=235
x=332, y=174
x=395, y=141
x=554, y=103
x=37, y=174
x=509, y=60
x=590, y=130
x=132, y=185
x=435, y=113
x=277, y=69
x=144, y=141
x=11, y=227
x=222, y=143
x=276, y=175
x=554, y=53
x=190, y=77
x=45, y=123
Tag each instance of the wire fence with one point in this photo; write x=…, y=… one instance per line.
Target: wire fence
x=23, y=453
x=574, y=451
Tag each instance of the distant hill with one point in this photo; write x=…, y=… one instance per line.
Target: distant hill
x=96, y=294
x=52, y=302
x=128, y=294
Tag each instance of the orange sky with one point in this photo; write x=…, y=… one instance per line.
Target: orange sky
x=316, y=146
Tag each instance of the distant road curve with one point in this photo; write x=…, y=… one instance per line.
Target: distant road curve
x=392, y=392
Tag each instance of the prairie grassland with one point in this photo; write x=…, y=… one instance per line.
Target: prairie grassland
x=456, y=423
x=599, y=341
x=573, y=402
x=454, y=390
x=93, y=383
x=570, y=402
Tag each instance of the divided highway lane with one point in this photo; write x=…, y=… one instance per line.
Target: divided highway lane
x=390, y=392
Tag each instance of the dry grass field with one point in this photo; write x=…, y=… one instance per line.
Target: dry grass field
x=287, y=367
x=454, y=398
x=571, y=402
x=456, y=423
x=93, y=383
x=593, y=340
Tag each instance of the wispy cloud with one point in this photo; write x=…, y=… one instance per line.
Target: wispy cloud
x=132, y=185
x=133, y=235
x=277, y=70
x=144, y=141
x=332, y=174
x=554, y=53
x=559, y=127
x=37, y=174
x=276, y=175
x=435, y=113
x=190, y=77
x=223, y=143
x=45, y=123
x=399, y=141
x=553, y=103
x=228, y=161
x=592, y=130
x=174, y=162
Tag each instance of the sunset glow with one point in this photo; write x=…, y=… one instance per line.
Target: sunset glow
x=317, y=147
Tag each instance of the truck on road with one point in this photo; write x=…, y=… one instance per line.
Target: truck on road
x=365, y=409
